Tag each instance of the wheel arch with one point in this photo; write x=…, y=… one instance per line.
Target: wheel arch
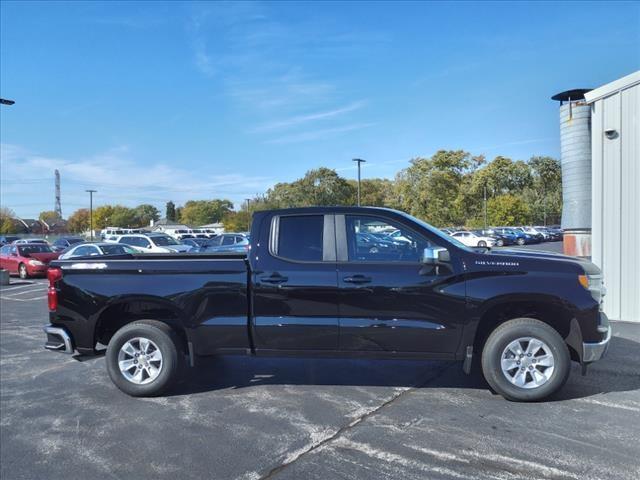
x=549, y=309
x=124, y=311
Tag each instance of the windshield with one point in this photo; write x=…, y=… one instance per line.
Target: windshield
x=115, y=249
x=33, y=248
x=437, y=232
x=162, y=240
x=74, y=240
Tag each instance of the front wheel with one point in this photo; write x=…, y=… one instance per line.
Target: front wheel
x=143, y=358
x=520, y=241
x=482, y=243
x=23, y=272
x=500, y=243
x=525, y=360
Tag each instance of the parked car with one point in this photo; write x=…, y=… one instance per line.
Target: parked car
x=22, y=241
x=7, y=239
x=26, y=259
x=226, y=242
x=551, y=234
x=153, y=243
x=87, y=249
x=63, y=243
x=521, y=238
x=501, y=239
x=111, y=232
x=302, y=290
x=471, y=239
x=195, y=243
x=536, y=236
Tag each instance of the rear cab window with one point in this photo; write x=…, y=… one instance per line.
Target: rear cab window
x=299, y=238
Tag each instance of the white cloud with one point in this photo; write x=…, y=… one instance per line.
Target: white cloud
x=319, y=133
x=312, y=117
x=27, y=181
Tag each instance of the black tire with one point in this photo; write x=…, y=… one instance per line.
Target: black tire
x=511, y=331
x=520, y=241
x=167, y=342
x=23, y=273
x=500, y=243
x=482, y=243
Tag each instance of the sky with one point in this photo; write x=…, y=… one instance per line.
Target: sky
x=153, y=101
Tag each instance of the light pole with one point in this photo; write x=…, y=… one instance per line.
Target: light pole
x=91, y=192
x=248, y=214
x=485, y=206
x=359, y=160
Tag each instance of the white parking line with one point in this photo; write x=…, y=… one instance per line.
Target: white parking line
x=24, y=299
x=17, y=287
x=35, y=289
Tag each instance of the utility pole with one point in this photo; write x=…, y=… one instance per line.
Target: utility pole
x=485, y=206
x=248, y=214
x=359, y=160
x=58, y=206
x=91, y=192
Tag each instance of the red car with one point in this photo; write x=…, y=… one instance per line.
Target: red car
x=28, y=259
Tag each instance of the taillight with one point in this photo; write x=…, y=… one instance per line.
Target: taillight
x=53, y=274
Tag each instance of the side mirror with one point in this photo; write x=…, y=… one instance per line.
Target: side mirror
x=149, y=246
x=435, y=256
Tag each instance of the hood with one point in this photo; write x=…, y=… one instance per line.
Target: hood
x=588, y=267
x=44, y=257
x=178, y=248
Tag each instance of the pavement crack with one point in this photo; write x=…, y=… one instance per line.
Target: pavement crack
x=291, y=459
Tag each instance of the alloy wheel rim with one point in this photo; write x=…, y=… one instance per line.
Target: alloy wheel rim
x=527, y=362
x=140, y=360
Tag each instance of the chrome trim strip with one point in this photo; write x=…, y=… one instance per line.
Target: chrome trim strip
x=592, y=351
x=62, y=333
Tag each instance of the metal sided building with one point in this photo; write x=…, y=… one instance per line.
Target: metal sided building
x=615, y=179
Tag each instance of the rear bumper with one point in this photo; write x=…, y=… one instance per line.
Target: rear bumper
x=58, y=340
x=592, y=351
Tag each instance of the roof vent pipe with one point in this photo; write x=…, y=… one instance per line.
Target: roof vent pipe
x=575, y=159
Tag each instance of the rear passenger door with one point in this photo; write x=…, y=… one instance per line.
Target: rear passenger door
x=295, y=287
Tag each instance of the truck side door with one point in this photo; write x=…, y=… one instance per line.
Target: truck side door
x=390, y=301
x=295, y=287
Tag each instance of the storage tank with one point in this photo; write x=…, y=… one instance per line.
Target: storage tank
x=575, y=159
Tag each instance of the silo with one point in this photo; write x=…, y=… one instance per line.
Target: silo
x=575, y=159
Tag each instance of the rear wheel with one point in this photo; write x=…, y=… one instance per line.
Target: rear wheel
x=520, y=241
x=525, y=360
x=500, y=242
x=143, y=358
x=23, y=272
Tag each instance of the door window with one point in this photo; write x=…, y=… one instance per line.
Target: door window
x=84, y=251
x=373, y=239
x=228, y=240
x=300, y=237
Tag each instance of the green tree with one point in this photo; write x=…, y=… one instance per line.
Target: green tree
x=78, y=221
x=202, y=212
x=102, y=217
x=544, y=196
x=236, y=221
x=322, y=186
x=7, y=223
x=171, y=211
x=49, y=217
x=144, y=214
x=375, y=192
x=507, y=210
x=430, y=187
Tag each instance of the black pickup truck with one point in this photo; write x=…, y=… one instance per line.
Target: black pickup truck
x=334, y=281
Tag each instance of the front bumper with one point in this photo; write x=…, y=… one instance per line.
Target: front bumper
x=592, y=351
x=58, y=340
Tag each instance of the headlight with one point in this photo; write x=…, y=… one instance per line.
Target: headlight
x=36, y=263
x=595, y=285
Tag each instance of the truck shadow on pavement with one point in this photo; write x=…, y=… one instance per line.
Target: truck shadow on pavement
x=617, y=372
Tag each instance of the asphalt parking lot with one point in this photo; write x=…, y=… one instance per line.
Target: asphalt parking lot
x=249, y=418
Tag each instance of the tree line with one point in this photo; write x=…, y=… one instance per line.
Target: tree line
x=450, y=188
